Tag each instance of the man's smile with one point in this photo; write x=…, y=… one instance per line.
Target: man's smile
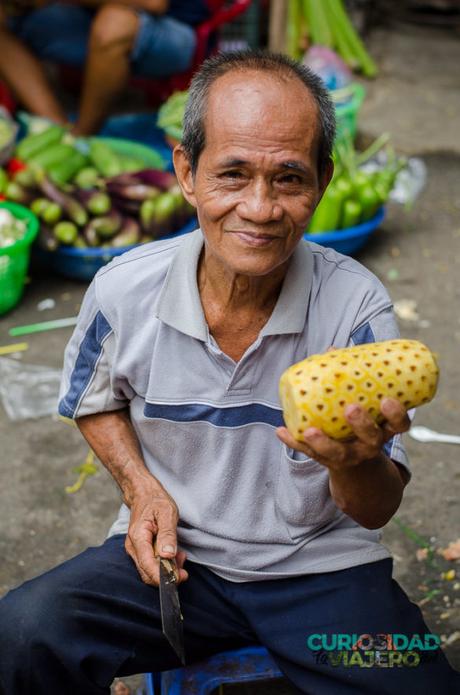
x=255, y=239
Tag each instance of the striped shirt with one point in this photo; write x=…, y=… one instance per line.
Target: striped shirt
x=249, y=507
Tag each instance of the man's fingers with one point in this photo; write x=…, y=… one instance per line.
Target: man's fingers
x=397, y=419
x=325, y=449
x=166, y=542
x=141, y=551
x=286, y=437
x=364, y=427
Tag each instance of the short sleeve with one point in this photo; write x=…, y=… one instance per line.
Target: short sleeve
x=383, y=326
x=88, y=382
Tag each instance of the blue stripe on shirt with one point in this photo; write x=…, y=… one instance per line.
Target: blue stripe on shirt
x=363, y=334
x=221, y=417
x=88, y=355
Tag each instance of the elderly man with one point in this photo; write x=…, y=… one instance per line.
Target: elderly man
x=172, y=376
x=152, y=38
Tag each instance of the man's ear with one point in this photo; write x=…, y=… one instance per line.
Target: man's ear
x=184, y=174
x=326, y=177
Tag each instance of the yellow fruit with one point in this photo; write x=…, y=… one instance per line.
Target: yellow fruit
x=314, y=392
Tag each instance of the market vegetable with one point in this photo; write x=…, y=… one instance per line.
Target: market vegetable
x=39, y=205
x=128, y=235
x=64, y=170
x=314, y=392
x=71, y=207
x=86, y=178
x=326, y=23
x=351, y=213
x=46, y=239
x=11, y=228
x=3, y=180
x=328, y=213
x=96, y=202
x=18, y=194
x=25, y=177
x=105, y=226
x=66, y=232
x=32, y=144
x=51, y=155
x=52, y=213
x=106, y=161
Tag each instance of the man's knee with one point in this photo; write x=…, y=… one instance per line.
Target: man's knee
x=33, y=613
x=114, y=26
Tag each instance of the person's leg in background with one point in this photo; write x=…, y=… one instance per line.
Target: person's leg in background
x=72, y=630
x=361, y=600
x=124, y=41
x=25, y=76
x=110, y=44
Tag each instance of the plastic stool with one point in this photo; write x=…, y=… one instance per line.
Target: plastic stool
x=241, y=665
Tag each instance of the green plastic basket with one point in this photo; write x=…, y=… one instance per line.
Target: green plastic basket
x=14, y=259
x=347, y=113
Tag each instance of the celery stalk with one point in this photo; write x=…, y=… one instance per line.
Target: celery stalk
x=293, y=29
x=345, y=33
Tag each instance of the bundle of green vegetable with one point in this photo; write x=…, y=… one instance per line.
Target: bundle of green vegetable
x=354, y=195
x=171, y=114
x=60, y=155
x=326, y=23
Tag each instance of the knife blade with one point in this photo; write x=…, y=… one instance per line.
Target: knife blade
x=171, y=616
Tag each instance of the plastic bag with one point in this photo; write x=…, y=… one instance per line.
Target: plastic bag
x=28, y=390
x=410, y=181
x=329, y=66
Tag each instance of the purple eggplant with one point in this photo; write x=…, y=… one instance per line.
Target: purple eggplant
x=129, y=234
x=134, y=191
x=103, y=227
x=125, y=206
x=149, y=177
x=71, y=207
x=97, y=202
x=46, y=239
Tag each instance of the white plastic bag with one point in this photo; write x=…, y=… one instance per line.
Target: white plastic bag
x=28, y=390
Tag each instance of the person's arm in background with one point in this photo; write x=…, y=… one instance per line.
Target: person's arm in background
x=24, y=75
x=154, y=514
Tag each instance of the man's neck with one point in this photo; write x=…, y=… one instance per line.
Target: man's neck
x=235, y=293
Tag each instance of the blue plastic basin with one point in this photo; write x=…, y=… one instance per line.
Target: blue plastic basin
x=83, y=264
x=348, y=240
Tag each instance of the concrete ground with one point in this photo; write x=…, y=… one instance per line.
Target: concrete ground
x=416, y=254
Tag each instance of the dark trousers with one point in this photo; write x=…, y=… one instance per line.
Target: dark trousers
x=73, y=629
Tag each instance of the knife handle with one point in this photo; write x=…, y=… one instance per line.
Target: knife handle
x=169, y=564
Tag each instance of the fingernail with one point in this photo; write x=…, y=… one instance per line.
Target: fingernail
x=352, y=410
x=310, y=433
x=168, y=548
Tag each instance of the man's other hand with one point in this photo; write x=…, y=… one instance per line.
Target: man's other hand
x=366, y=443
x=154, y=517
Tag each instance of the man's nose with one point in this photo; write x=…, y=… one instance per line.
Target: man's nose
x=259, y=205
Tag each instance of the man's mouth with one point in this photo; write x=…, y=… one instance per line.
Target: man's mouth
x=256, y=240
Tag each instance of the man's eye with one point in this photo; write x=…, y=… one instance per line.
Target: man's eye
x=290, y=179
x=232, y=175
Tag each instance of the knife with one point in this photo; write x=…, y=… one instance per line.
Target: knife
x=171, y=616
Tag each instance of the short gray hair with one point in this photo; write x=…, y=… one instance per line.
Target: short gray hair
x=193, y=138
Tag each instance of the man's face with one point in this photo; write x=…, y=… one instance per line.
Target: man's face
x=256, y=184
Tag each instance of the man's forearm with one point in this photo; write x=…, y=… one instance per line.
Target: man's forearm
x=114, y=441
x=370, y=493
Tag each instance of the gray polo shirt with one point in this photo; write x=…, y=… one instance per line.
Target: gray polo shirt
x=250, y=509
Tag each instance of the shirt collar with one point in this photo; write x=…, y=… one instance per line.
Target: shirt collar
x=179, y=304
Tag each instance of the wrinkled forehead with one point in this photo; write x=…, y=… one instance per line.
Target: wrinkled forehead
x=261, y=105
